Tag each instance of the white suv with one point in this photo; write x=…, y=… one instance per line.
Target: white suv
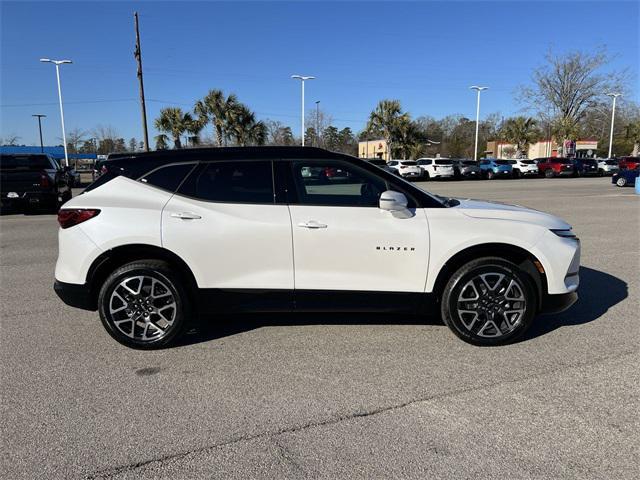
x=437, y=167
x=523, y=167
x=405, y=168
x=162, y=236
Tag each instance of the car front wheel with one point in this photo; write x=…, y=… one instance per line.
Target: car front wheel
x=489, y=301
x=143, y=305
x=621, y=182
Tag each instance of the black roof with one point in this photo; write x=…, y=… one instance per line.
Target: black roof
x=224, y=153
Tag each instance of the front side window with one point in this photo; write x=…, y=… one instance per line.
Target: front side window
x=231, y=182
x=336, y=183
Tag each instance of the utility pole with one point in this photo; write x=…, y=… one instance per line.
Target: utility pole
x=613, y=117
x=317, y=123
x=138, y=54
x=477, y=89
x=39, y=115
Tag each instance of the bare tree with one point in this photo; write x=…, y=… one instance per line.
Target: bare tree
x=75, y=138
x=319, y=120
x=571, y=85
x=11, y=139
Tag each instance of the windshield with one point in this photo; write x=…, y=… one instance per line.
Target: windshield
x=443, y=162
x=502, y=162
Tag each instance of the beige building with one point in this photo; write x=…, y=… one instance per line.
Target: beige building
x=542, y=148
x=373, y=149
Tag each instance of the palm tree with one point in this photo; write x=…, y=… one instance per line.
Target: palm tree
x=174, y=121
x=162, y=142
x=384, y=121
x=520, y=131
x=243, y=127
x=216, y=108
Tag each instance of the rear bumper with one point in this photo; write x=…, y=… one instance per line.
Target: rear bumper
x=31, y=199
x=75, y=295
x=558, y=303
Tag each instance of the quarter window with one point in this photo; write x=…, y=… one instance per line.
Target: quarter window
x=231, y=182
x=335, y=183
x=169, y=177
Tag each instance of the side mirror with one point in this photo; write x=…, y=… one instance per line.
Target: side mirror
x=393, y=201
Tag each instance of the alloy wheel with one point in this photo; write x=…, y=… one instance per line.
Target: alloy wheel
x=143, y=308
x=491, y=304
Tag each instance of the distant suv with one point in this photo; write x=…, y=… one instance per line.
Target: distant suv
x=550, y=167
x=492, y=168
x=465, y=168
x=169, y=234
x=405, y=168
x=607, y=166
x=33, y=182
x=436, y=167
x=590, y=167
x=628, y=163
x=524, y=168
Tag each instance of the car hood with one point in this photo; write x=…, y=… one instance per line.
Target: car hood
x=503, y=211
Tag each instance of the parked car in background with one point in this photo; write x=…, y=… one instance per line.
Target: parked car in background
x=607, y=166
x=550, y=167
x=33, y=182
x=465, y=168
x=405, y=168
x=436, y=167
x=578, y=166
x=625, y=178
x=379, y=162
x=590, y=167
x=628, y=163
x=496, y=168
x=523, y=167
x=181, y=233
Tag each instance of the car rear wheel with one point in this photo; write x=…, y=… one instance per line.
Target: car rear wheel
x=548, y=173
x=143, y=305
x=621, y=182
x=489, y=301
x=490, y=175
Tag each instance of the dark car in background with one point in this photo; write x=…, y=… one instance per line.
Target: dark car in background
x=626, y=178
x=465, y=168
x=590, y=167
x=33, y=182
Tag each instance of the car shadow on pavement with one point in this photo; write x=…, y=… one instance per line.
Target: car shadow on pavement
x=598, y=292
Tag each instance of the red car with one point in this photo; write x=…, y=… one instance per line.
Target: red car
x=628, y=163
x=550, y=167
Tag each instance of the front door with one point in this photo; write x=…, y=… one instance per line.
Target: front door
x=343, y=242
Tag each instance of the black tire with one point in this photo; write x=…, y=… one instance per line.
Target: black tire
x=491, y=305
x=600, y=172
x=516, y=173
x=621, y=182
x=548, y=173
x=490, y=175
x=162, y=272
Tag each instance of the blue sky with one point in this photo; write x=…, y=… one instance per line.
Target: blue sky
x=426, y=54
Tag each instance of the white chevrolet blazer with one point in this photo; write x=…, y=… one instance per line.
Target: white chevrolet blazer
x=163, y=236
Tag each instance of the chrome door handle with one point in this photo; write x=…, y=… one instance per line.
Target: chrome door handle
x=312, y=224
x=186, y=216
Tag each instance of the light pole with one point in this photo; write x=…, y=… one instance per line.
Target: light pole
x=478, y=89
x=613, y=115
x=317, y=123
x=39, y=115
x=57, y=63
x=302, y=79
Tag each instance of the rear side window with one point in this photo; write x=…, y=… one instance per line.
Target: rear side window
x=231, y=182
x=169, y=177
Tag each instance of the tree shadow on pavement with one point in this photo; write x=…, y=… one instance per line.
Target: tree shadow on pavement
x=598, y=292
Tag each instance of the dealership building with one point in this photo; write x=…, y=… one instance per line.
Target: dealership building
x=374, y=149
x=543, y=148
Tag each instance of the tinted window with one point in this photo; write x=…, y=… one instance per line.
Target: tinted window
x=424, y=162
x=168, y=178
x=443, y=162
x=502, y=162
x=409, y=164
x=336, y=183
x=231, y=182
x=10, y=162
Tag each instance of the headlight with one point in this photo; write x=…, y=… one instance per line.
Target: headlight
x=565, y=233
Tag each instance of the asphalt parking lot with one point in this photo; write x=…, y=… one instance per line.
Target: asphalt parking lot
x=332, y=396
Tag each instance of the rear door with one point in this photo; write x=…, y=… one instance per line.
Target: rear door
x=224, y=222
x=343, y=241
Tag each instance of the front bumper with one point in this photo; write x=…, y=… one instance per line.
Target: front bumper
x=558, y=303
x=75, y=295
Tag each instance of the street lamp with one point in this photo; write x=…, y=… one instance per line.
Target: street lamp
x=302, y=78
x=57, y=63
x=478, y=89
x=39, y=115
x=613, y=115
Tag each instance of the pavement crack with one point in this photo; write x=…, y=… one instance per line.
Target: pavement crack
x=285, y=454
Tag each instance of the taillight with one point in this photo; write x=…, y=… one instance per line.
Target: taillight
x=45, y=182
x=68, y=217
